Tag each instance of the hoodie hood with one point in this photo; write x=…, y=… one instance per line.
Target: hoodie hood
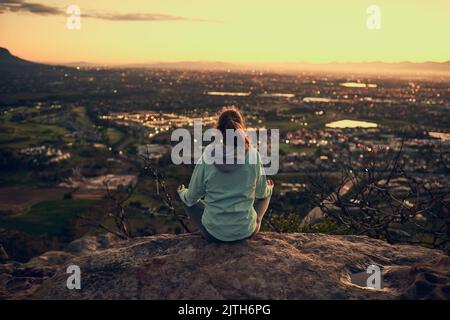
x=229, y=158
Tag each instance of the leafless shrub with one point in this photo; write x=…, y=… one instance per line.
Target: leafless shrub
x=384, y=201
x=162, y=191
x=117, y=198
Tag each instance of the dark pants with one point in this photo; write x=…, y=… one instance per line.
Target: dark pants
x=196, y=212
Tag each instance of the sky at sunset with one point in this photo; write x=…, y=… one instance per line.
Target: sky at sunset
x=140, y=31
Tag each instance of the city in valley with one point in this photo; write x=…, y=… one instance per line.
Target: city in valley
x=71, y=134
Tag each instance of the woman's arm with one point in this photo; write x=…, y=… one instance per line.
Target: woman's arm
x=196, y=190
x=263, y=186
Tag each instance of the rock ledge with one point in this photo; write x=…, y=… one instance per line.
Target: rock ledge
x=269, y=266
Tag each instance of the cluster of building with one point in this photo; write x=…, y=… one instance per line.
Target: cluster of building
x=112, y=181
x=334, y=147
x=153, y=151
x=156, y=122
x=45, y=155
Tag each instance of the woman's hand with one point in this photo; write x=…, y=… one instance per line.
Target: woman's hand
x=181, y=187
x=270, y=183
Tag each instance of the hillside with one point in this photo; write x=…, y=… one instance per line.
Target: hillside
x=13, y=67
x=7, y=60
x=270, y=266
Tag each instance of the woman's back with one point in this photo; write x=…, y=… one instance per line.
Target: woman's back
x=229, y=192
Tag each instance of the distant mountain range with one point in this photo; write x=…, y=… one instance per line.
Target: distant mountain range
x=360, y=67
x=376, y=67
x=440, y=68
x=190, y=65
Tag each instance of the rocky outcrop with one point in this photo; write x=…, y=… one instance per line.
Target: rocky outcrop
x=21, y=280
x=269, y=266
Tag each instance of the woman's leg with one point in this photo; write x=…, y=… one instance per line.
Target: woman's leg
x=195, y=213
x=260, y=206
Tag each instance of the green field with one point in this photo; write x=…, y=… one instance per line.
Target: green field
x=36, y=130
x=288, y=148
x=18, y=135
x=50, y=218
x=82, y=117
x=113, y=135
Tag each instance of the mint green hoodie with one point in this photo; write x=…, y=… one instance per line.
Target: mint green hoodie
x=229, y=191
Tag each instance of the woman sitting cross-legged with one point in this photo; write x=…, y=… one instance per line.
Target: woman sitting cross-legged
x=236, y=193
